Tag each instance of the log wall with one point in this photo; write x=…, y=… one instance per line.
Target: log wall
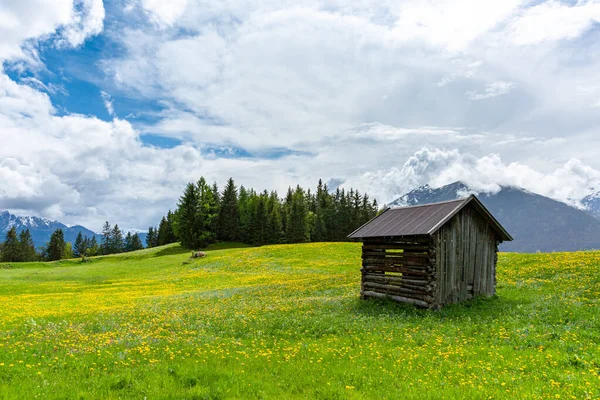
x=467, y=255
x=401, y=268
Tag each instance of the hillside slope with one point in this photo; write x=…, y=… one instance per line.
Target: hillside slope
x=242, y=323
x=537, y=223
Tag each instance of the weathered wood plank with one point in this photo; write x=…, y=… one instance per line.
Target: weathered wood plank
x=400, y=299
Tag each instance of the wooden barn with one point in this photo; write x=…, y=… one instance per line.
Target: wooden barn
x=431, y=255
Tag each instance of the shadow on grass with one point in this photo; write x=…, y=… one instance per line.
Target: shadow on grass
x=226, y=245
x=172, y=251
x=177, y=250
x=476, y=308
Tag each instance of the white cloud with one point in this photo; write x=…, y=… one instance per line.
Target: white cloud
x=108, y=103
x=491, y=90
x=553, y=20
x=164, y=13
x=569, y=182
x=68, y=22
x=87, y=21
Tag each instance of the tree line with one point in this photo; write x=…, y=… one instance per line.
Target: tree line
x=21, y=248
x=205, y=215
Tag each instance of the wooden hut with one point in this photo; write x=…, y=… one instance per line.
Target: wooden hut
x=431, y=255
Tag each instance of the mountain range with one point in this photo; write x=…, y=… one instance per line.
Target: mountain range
x=41, y=229
x=537, y=223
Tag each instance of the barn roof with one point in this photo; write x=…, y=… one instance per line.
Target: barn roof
x=423, y=220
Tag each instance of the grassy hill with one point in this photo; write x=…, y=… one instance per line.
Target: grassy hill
x=286, y=322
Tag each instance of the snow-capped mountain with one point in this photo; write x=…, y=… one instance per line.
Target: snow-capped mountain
x=592, y=203
x=40, y=228
x=536, y=222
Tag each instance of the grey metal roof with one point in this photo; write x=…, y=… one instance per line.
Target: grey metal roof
x=422, y=220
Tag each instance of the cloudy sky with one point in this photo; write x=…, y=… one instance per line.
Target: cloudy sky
x=107, y=109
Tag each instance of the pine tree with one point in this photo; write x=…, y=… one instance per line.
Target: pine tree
x=170, y=235
x=80, y=245
x=258, y=219
x=297, y=219
x=116, y=240
x=285, y=213
x=274, y=229
x=27, y=246
x=150, y=237
x=162, y=232
x=11, y=248
x=105, y=247
x=245, y=200
x=229, y=217
x=55, y=249
x=136, y=243
x=207, y=213
x=128, y=242
x=187, y=217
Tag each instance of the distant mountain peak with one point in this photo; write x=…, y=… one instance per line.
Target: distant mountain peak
x=535, y=221
x=592, y=203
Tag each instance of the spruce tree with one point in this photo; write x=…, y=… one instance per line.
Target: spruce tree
x=116, y=240
x=11, y=248
x=80, y=245
x=27, y=246
x=297, y=231
x=207, y=213
x=55, y=249
x=245, y=204
x=162, y=232
x=229, y=217
x=274, y=229
x=136, y=243
x=187, y=217
x=105, y=247
x=150, y=237
x=170, y=235
x=128, y=242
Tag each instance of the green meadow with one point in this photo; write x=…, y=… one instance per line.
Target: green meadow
x=286, y=321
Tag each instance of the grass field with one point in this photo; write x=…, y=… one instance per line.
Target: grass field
x=286, y=322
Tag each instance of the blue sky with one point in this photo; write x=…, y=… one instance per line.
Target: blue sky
x=108, y=108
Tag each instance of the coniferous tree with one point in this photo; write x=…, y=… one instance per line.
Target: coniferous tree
x=11, y=248
x=206, y=214
x=116, y=240
x=55, y=250
x=27, y=246
x=274, y=228
x=127, y=246
x=136, y=243
x=245, y=200
x=297, y=218
x=229, y=217
x=187, y=213
x=162, y=232
x=150, y=237
x=80, y=245
x=217, y=209
x=105, y=246
x=170, y=234
x=285, y=213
